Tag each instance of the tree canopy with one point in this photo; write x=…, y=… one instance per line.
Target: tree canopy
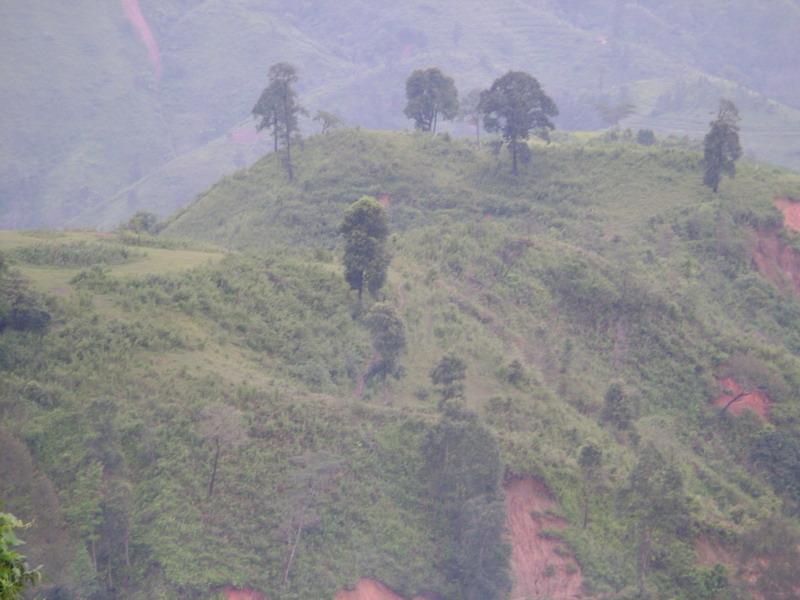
x=278, y=109
x=515, y=106
x=365, y=259
x=721, y=147
x=430, y=94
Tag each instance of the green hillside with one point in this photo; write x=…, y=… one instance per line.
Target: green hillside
x=598, y=299
x=94, y=132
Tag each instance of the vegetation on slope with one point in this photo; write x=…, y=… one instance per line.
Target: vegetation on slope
x=594, y=300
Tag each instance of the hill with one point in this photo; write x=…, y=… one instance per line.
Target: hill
x=151, y=112
x=179, y=429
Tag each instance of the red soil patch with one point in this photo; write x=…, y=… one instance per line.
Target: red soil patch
x=791, y=212
x=755, y=400
x=232, y=593
x=777, y=261
x=541, y=567
x=134, y=14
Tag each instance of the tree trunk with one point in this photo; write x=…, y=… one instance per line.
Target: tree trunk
x=293, y=551
x=478, y=131
x=514, y=156
x=585, y=507
x=275, y=131
x=94, y=556
x=733, y=401
x=435, y=121
x=214, y=469
x=641, y=563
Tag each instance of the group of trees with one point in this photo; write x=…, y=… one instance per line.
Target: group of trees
x=515, y=106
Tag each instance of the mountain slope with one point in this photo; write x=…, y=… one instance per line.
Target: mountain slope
x=604, y=263
x=126, y=130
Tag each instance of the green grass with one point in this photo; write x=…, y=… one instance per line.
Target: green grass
x=603, y=261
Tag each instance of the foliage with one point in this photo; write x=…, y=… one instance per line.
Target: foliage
x=142, y=222
x=462, y=466
x=429, y=94
x=645, y=137
x=278, y=109
x=448, y=376
x=721, y=148
x=388, y=337
x=75, y=254
x=327, y=121
x=15, y=574
x=514, y=106
x=365, y=258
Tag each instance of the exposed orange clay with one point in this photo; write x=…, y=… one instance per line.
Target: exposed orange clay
x=541, y=567
x=754, y=400
x=232, y=593
x=777, y=261
x=791, y=212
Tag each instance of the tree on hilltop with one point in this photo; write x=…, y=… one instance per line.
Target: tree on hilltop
x=365, y=258
x=278, y=110
x=515, y=106
x=721, y=147
x=430, y=94
x=327, y=121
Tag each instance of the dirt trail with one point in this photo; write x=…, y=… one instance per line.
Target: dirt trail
x=541, y=567
x=232, y=593
x=755, y=401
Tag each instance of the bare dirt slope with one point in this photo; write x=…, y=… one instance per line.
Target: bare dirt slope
x=541, y=565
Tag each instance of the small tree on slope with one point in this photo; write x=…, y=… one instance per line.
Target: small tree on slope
x=365, y=259
x=721, y=148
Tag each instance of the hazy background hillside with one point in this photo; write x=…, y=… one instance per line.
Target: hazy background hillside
x=97, y=124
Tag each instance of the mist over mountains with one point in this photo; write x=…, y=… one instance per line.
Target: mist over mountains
x=113, y=107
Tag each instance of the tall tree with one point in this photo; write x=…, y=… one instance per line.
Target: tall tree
x=463, y=469
x=470, y=112
x=721, y=147
x=590, y=461
x=448, y=376
x=515, y=106
x=279, y=109
x=365, y=258
x=430, y=94
x=388, y=337
x=655, y=502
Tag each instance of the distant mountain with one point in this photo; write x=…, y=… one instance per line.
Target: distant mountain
x=115, y=107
